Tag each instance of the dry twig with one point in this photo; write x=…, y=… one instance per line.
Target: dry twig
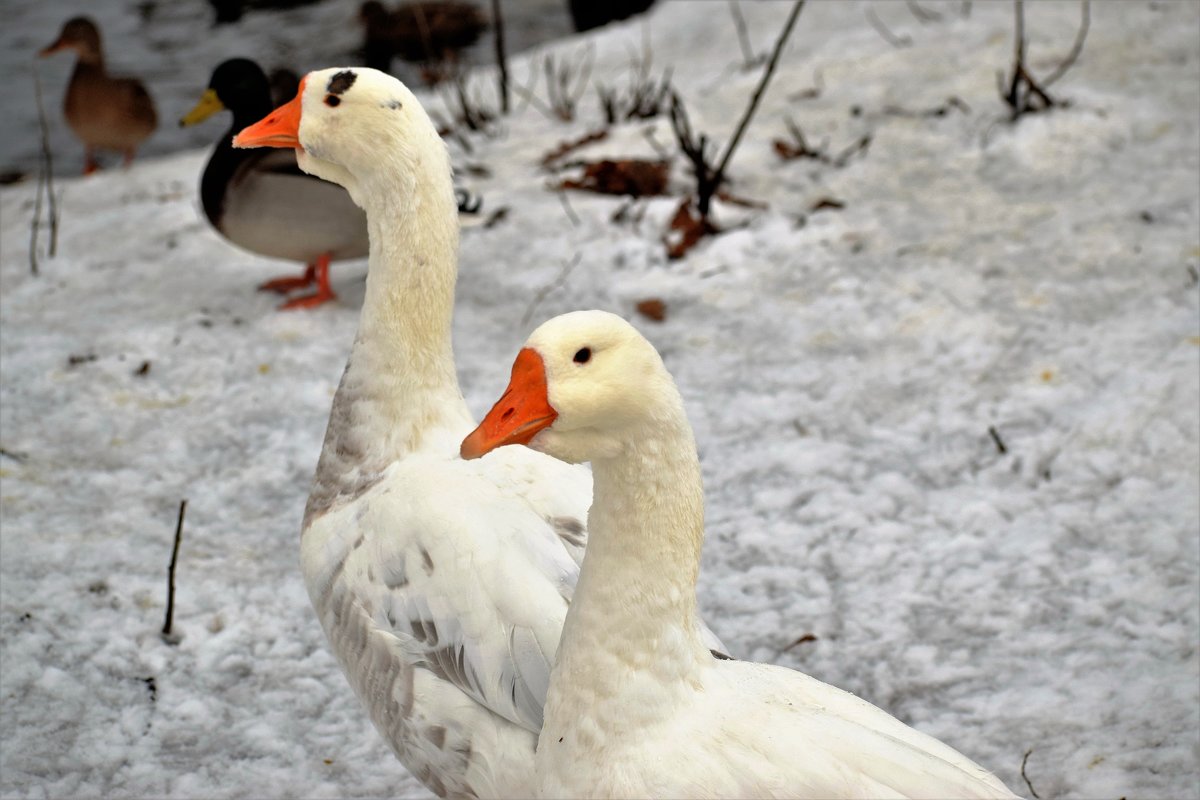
x=545, y=290
x=1022, y=92
x=45, y=181
x=749, y=59
x=1025, y=777
x=166, y=630
x=501, y=57
x=709, y=177
x=903, y=40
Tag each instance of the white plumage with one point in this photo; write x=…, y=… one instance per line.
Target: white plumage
x=441, y=584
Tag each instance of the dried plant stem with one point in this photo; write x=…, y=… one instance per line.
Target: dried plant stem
x=762, y=85
x=501, y=57
x=166, y=631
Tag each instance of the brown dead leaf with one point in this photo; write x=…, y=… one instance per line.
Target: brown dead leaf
x=652, y=308
x=632, y=176
x=686, y=230
x=827, y=203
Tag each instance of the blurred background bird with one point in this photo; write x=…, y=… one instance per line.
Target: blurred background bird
x=105, y=112
x=431, y=32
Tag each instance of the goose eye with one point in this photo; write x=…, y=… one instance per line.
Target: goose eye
x=583, y=355
x=332, y=100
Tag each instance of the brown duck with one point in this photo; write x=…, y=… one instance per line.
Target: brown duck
x=106, y=113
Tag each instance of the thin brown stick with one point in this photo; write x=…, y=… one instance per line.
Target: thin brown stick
x=166, y=631
x=570, y=212
x=739, y=22
x=1076, y=48
x=1025, y=777
x=501, y=58
x=895, y=41
x=758, y=92
x=545, y=290
x=995, y=434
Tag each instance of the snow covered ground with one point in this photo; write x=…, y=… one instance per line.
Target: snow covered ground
x=842, y=368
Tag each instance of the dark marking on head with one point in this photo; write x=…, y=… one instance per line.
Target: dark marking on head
x=342, y=81
x=719, y=656
x=394, y=104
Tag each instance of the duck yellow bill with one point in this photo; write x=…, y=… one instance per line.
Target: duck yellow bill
x=280, y=128
x=209, y=104
x=521, y=412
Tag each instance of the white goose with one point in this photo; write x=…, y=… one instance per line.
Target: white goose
x=441, y=584
x=637, y=706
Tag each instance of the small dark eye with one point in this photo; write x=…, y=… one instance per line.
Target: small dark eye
x=332, y=100
x=583, y=355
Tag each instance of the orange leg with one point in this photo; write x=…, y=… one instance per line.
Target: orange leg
x=285, y=285
x=89, y=161
x=323, y=294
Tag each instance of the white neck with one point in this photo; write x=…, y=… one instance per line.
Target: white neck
x=399, y=392
x=635, y=604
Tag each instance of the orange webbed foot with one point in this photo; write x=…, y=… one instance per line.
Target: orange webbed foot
x=308, y=301
x=290, y=283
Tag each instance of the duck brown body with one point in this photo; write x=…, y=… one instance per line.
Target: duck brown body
x=104, y=112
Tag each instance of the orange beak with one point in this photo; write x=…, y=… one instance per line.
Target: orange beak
x=280, y=128
x=521, y=412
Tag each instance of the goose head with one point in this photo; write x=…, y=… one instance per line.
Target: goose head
x=586, y=386
x=357, y=127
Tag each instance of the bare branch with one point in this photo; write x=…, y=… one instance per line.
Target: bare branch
x=1025, y=778
x=895, y=41
x=501, y=58
x=566, y=204
x=166, y=630
x=762, y=85
x=749, y=59
x=1024, y=95
x=545, y=290
x=1076, y=48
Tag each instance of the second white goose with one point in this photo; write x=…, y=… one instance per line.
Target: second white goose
x=637, y=706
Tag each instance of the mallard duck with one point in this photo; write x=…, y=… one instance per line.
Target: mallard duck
x=428, y=31
x=637, y=705
x=106, y=113
x=261, y=201
x=441, y=584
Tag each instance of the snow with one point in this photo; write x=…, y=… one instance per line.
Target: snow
x=842, y=369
